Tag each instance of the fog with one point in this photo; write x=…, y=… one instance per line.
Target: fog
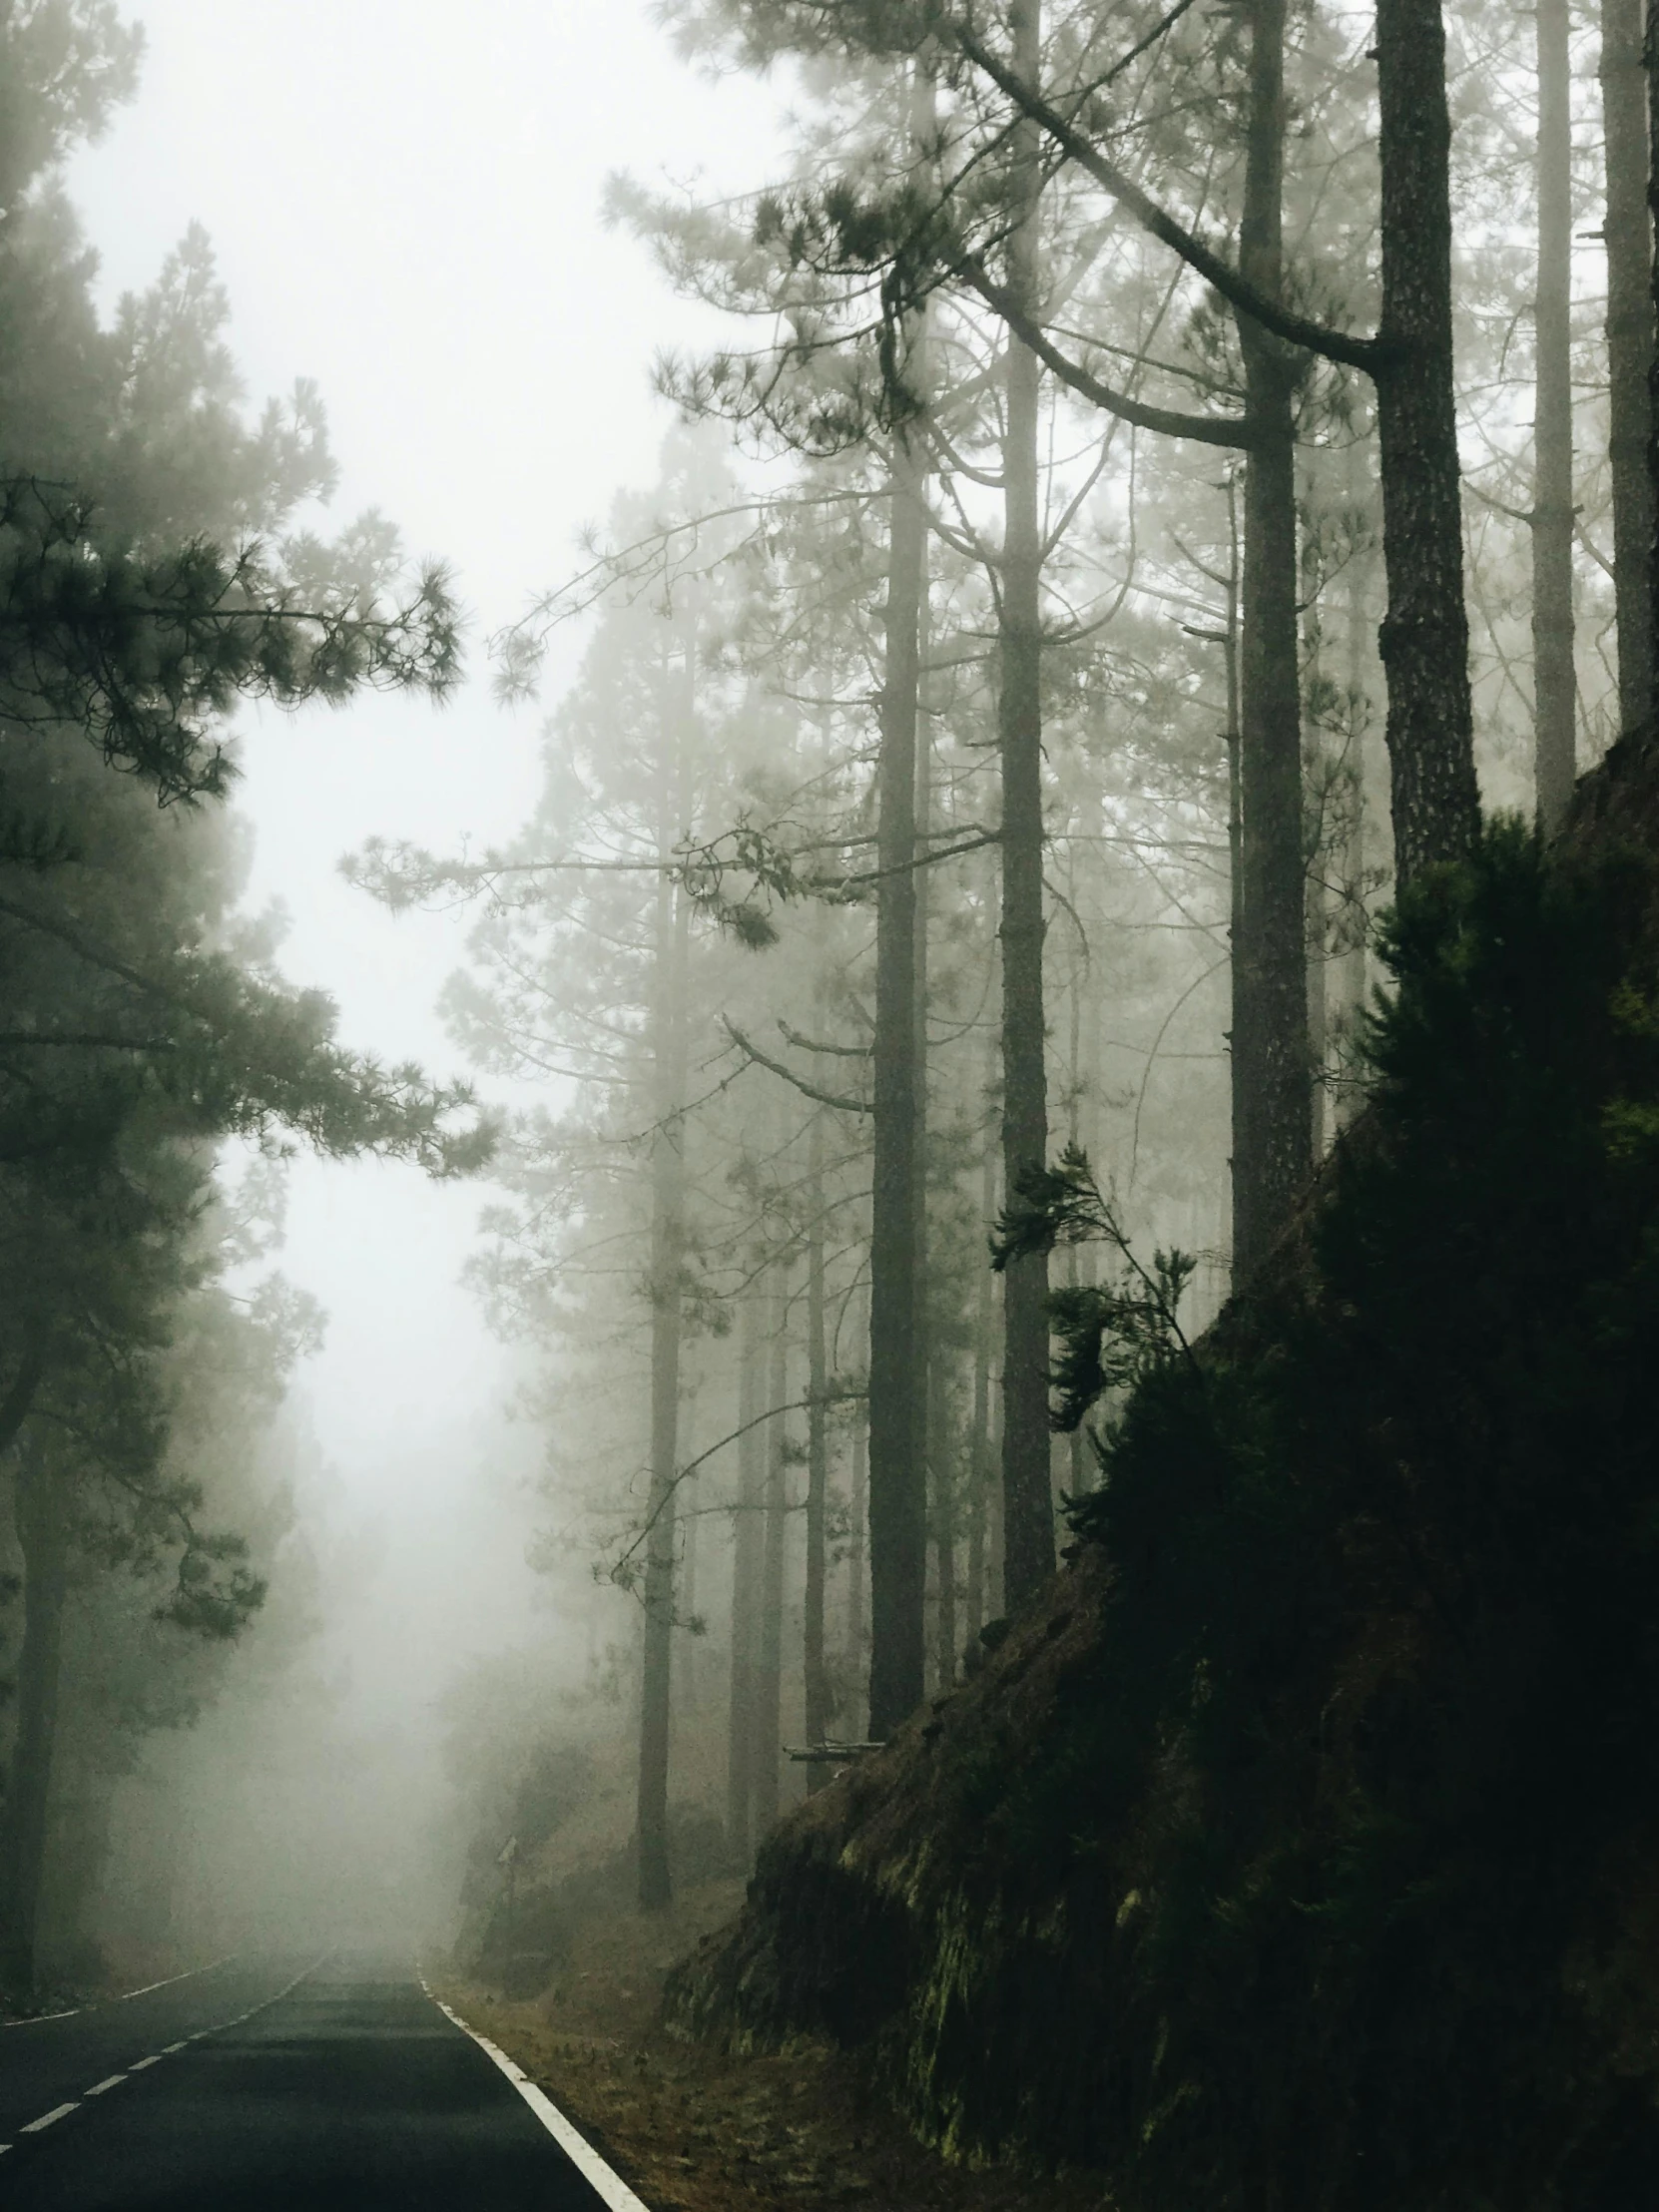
x=404, y=204
x=907, y=950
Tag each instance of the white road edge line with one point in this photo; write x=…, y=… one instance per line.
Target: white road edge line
x=120, y=1999
x=58, y=2112
x=110, y=2082
x=609, y=2187
x=189, y=1976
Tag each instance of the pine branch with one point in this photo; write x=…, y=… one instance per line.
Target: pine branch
x=788, y=1075
x=1168, y=423
x=1283, y=323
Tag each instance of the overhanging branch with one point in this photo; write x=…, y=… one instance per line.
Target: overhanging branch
x=1283, y=323
x=1169, y=422
x=788, y=1075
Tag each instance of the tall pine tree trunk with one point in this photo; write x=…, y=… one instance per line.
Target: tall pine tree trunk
x=858, y=1571
x=19, y=1398
x=668, y=1177
x=769, y=1686
x=945, y=1525
x=1650, y=53
x=1272, y=1065
x=815, y=1685
x=1029, y=1511
x=747, y=1541
x=1556, y=690
x=43, y=1539
x=898, y=1482
x=981, y=1451
x=1630, y=349
x=1425, y=636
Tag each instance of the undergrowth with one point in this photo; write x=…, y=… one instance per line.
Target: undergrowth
x=1301, y=1854
x=1361, y=1790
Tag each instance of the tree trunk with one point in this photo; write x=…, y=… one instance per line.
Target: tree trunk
x=43, y=1539
x=1554, y=685
x=1651, y=60
x=1029, y=1510
x=981, y=1456
x=1085, y=1133
x=897, y=1500
x=668, y=1050
x=19, y=1398
x=815, y=1680
x=688, y=1686
x=1272, y=1068
x=1356, y=964
x=1425, y=636
x=944, y=1527
x=746, y=1586
x=768, y=1688
x=1630, y=349
x=858, y=1569
x=929, y=1353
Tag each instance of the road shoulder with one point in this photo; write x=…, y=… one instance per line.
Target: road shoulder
x=692, y=2130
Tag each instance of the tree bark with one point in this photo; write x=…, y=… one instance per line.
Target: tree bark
x=898, y=1489
x=1272, y=1067
x=1029, y=1510
x=43, y=1539
x=981, y=1451
x=944, y=1528
x=815, y=1683
x=768, y=1687
x=1630, y=349
x=746, y=1586
x=19, y=1398
x=688, y=1686
x=857, y=1567
x=669, y=1052
x=1554, y=685
x=1650, y=56
x=1425, y=636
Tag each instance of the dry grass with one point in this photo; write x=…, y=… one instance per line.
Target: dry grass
x=695, y=2131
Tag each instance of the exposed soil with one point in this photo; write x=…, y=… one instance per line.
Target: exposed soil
x=693, y=2130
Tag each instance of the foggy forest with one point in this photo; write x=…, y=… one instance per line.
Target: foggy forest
x=829, y=1105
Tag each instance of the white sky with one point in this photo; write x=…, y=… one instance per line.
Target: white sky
x=404, y=200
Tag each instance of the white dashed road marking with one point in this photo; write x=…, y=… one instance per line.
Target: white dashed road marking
x=154, y=2059
x=58, y=2112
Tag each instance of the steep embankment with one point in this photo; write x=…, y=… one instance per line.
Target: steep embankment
x=1303, y=1848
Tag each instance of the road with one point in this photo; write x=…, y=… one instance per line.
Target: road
x=284, y=2083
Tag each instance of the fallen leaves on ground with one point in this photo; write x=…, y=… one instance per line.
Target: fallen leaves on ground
x=695, y=2131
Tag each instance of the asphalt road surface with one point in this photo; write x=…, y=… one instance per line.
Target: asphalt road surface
x=306, y=2085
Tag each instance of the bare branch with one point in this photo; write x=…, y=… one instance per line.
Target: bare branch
x=788, y=1075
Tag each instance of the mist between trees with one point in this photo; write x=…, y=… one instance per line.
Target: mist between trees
x=1151, y=446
